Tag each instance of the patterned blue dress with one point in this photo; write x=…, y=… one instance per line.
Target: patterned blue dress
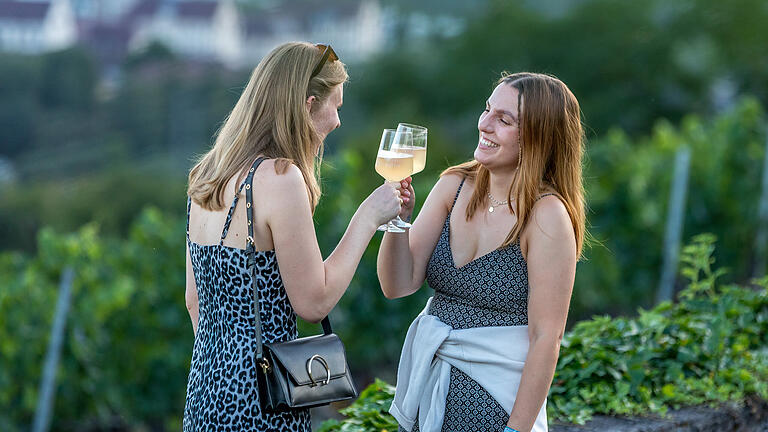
x=222, y=393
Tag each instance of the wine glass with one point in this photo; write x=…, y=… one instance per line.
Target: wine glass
x=419, y=147
x=394, y=165
x=419, y=151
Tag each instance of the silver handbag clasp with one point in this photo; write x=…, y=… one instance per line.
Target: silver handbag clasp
x=325, y=365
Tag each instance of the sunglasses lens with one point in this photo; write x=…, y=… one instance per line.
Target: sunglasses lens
x=328, y=54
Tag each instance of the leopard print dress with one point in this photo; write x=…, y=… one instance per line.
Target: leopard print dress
x=222, y=392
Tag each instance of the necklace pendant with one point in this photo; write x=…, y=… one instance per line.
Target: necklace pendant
x=490, y=209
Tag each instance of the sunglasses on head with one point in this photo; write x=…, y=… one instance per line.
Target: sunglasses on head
x=328, y=53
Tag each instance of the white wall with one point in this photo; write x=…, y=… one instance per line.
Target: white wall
x=60, y=26
x=219, y=39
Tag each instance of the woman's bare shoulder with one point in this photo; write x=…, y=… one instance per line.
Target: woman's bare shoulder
x=550, y=217
x=279, y=178
x=445, y=189
x=452, y=180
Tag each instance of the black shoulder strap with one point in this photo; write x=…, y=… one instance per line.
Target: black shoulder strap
x=546, y=194
x=189, y=207
x=251, y=251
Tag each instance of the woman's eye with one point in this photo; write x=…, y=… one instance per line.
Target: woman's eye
x=505, y=122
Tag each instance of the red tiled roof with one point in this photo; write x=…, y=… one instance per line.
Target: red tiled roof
x=196, y=9
x=303, y=13
x=258, y=25
x=143, y=9
x=23, y=10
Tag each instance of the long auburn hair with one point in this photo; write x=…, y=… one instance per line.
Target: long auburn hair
x=270, y=118
x=551, y=152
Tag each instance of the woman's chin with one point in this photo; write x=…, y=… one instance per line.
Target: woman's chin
x=482, y=156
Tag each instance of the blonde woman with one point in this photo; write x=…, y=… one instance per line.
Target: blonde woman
x=498, y=240
x=274, y=138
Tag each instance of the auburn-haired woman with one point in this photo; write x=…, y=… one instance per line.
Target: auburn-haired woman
x=272, y=139
x=498, y=239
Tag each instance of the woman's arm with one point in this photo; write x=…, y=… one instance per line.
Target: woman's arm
x=315, y=286
x=403, y=257
x=551, y=262
x=190, y=294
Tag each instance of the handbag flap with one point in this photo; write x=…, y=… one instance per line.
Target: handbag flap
x=295, y=354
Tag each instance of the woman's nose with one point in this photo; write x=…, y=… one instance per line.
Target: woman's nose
x=484, y=124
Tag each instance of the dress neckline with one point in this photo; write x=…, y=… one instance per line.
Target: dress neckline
x=450, y=248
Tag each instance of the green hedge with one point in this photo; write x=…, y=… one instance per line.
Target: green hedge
x=128, y=339
x=708, y=348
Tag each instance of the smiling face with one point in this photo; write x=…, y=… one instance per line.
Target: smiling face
x=325, y=113
x=498, y=147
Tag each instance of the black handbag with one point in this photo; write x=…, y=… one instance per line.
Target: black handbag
x=302, y=373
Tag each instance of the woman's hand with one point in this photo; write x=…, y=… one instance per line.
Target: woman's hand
x=383, y=204
x=409, y=199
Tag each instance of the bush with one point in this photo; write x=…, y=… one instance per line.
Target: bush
x=128, y=339
x=367, y=413
x=708, y=348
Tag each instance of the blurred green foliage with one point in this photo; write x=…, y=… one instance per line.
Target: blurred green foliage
x=628, y=189
x=128, y=339
x=628, y=63
x=707, y=349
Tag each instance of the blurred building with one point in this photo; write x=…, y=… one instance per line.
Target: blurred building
x=102, y=10
x=34, y=27
x=198, y=30
x=207, y=31
x=356, y=29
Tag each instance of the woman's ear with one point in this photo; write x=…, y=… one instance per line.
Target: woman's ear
x=310, y=101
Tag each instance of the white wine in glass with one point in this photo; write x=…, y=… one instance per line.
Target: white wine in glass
x=419, y=157
x=418, y=149
x=394, y=165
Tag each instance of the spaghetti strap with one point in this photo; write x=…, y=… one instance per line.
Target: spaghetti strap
x=189, y=207
x=225, y=230
x=246, y=180
x=543, y=195
x=456, y=198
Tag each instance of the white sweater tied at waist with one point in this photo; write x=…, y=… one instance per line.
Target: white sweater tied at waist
x=492, y=356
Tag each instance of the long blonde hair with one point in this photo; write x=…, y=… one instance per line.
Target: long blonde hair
x=551, y=152
x=270, y=119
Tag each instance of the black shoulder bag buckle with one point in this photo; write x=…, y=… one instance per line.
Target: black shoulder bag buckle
x=302, y=373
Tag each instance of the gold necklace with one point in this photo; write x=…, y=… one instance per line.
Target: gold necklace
x=494, y=203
